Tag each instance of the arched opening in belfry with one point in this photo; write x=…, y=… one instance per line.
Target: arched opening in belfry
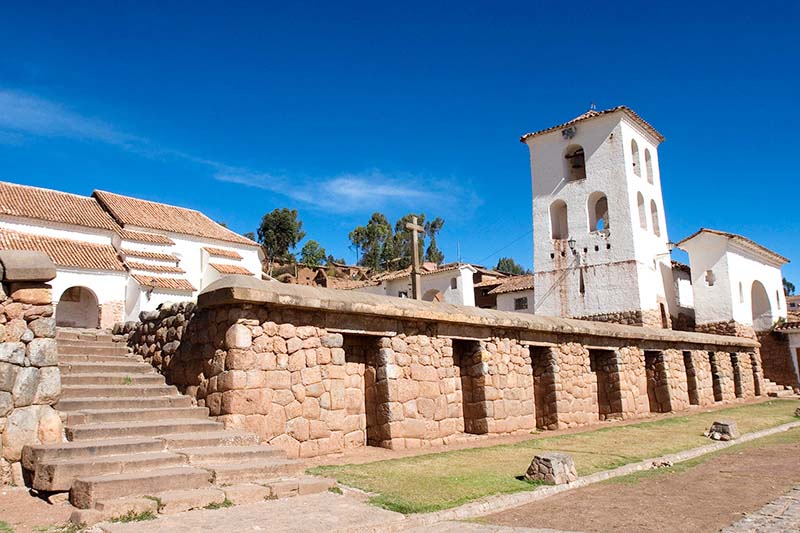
x=597, y=205
x=576, y=162
x=648, y=165
x=637, y=167
x=78, y=308
x=654, y=216
x=762, y=311
x=559, y=224
x=642, y=212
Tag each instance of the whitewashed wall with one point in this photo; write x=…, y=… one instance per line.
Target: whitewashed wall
x=505, y=301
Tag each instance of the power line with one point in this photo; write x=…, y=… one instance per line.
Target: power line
x=506, y=246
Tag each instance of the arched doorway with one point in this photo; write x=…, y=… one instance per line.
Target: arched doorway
x=78, y=308
x=433, y=295
x=762, y=311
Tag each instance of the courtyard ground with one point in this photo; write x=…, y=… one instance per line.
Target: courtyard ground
x=705, y=494
x=436, y=481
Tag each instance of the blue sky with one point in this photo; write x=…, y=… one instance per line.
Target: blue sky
x=339, y=109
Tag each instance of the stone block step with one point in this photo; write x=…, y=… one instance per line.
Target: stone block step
x=783, y=393
x=59, y=475
x=140, y=428
x=83, y=358
x=229, y=454
x=42, y=453
x=118, y=391
x=167, y=400
x=92, y=350
x=112, y=378
x=88, y=342
x=95, y=416
x=211, y=438
x=86, y=491
x=253, y=470
x=131, y=367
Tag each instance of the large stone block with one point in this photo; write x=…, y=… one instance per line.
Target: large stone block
x=25, y=293
x=26, y=265
x=15, y=330
x=44, y=327
x=551, y=467
x=48, y=390
x=6, y=404
x=238, y=336
x=12, y=352
x=43, y=352
x=25, y=386
x=723, y=430
x=21, y=429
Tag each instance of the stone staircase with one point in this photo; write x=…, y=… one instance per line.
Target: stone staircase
x=774, y=390
x=129, y=435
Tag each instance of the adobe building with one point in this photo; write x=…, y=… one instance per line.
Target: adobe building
x=117, y=256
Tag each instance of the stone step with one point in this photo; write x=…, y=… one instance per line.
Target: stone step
x=228, y=454
x=92, y=350
x=88, y=343
x=140, y=428
x=131, y=367
x=782, y=393
x=211, y=438
x=84, y=336
x=95, y=403
x=119, y=391
x=112, y=378
x=253, y=470
x=83, y=358
x=59, y=475
x=96, y=416
x=86, y=491
x=42, y=453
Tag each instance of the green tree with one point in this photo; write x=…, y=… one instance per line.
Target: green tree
x=507, y=265
x=312, y=254
x=432, y=229
x=280, y=231
x=788, y=287
x=249, y=235
x=370, y=240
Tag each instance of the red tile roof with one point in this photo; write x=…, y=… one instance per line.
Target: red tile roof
x=65, y=252
x=140, y=236
x=148, y=267
x=222, y=252
x=156, y=256
x=514, y=284
x=175, y=284
x=145, y=214
x=230, y=269
x=53, y=206
x=594, y=113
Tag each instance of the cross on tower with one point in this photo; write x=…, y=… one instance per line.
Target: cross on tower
x=416, y=279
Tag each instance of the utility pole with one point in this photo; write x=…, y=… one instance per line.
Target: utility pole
x=416, y=279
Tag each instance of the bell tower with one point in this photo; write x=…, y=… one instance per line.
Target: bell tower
x=601, y=250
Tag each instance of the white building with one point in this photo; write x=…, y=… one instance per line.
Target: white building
x=734, y=279
x=117, y=255
x=515, y=293
x=601, y=248
x=451, y=283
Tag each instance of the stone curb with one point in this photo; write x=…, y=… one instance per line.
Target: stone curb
x=494, y=504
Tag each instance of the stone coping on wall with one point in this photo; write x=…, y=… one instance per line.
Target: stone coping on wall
x=232, y=290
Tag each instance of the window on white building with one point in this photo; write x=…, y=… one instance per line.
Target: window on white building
x=559, y=225
x=654, y=216
x=635, y=157
x=598, y=211
x=520, y=303
x=576, y=162
x=710, y=278
x=453, y=283
x=642, y=213
x=648, y=165
x=741, y=293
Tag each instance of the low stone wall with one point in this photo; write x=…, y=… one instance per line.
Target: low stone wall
x=30, y=381
x=776, y=356
x=731, y=328
x=316, y=370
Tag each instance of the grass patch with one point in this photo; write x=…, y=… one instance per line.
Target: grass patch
x=5, y=527
x=336, y=490
x=159, y=503
x=62, y=528
x=133, y=516
x=224, y=504
x=128, y=380
x=443, y=480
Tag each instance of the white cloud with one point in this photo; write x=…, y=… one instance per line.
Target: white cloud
x=23, y=115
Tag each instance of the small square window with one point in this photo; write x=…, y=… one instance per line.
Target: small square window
x=520, y=303
x=453, y=283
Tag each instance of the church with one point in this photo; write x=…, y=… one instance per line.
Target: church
x=117, y=256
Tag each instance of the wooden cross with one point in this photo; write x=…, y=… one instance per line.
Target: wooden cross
x=416, y=279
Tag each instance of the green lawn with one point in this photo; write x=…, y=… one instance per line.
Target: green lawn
x=442, y=480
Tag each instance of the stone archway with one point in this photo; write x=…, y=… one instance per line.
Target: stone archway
x=78, y=308
x=761, y=308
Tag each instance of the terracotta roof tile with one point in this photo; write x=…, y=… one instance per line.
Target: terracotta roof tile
x=148, y=267
x=175, y=284
x=156, y=256
x=490, y=282
x=145, y=214
x=64, y=252
x=53, y=206
x=140, y=236
x=230, y=269
x=514, y=284
x=594, y=113
x=222, y=252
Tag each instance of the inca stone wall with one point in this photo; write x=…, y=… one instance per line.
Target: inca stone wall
x=30, y=381
x=316, y=371
x=776, y=357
